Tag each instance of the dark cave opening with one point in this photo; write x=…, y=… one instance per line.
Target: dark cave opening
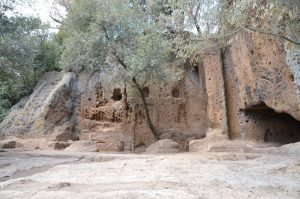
x=266, y=125
x=117, y=95
x=175, y=93
x=146, y=91
x=196, y=72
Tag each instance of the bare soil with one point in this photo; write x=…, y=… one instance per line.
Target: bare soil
x=59, y=174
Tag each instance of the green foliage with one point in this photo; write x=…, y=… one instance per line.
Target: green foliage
x=119, y=34
x=132, y=38
x=181, y=22
x=26, y=52
x=278, y=16
x=101, y=34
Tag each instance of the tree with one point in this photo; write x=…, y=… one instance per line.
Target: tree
x=58, y=10
x=26, y=52
x=196, y=25
x=279, y=18
x=219, y=19
x=121, y=33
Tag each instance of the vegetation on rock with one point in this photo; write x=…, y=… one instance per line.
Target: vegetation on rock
x=135, y=37
x=26, y=52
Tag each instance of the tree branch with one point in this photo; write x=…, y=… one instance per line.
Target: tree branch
x=55, y=19
x=105, y=33
x=114, y=52
x=120, y=60
x=252, y=30
x=195, y=19
x=271, y=34
x=220, y=37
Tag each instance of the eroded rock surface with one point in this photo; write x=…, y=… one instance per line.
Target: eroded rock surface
x=163, y=146
x=83, y=146
x=115, y=118
x=249, y=91
x=262, y=94
x=47, y=107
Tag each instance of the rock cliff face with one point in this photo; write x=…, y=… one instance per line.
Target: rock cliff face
x=46, y=108
x=249, y=91
x=262, y=93
x=117, y=116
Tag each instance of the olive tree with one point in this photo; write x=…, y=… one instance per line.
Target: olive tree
x=139, y=36
x=124, y=33
x=219, y=19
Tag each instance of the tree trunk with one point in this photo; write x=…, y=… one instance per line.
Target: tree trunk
x=149, y=122
x=196, y=21
x=140, y=89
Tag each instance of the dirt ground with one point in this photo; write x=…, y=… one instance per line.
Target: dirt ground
x=58, y=174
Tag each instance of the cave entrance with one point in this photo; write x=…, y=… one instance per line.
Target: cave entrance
x=117, y=95
x=175, y=93
x=146, y=91
x=266, y=125
x=196, y=72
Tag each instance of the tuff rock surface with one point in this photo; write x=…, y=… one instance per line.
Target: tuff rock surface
x=249, y=91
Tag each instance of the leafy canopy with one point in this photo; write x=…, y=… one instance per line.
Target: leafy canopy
x=26, y=52
x=114, y=33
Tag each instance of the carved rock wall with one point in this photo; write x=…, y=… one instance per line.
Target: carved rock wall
x=262, y=96
x=250, y=92
x=117, y=115
x=214, y=78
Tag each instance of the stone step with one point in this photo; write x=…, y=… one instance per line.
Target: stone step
x=106, y=124
x=100, y=135
x=227, y=147
x=111, y=146
x=103, y=130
